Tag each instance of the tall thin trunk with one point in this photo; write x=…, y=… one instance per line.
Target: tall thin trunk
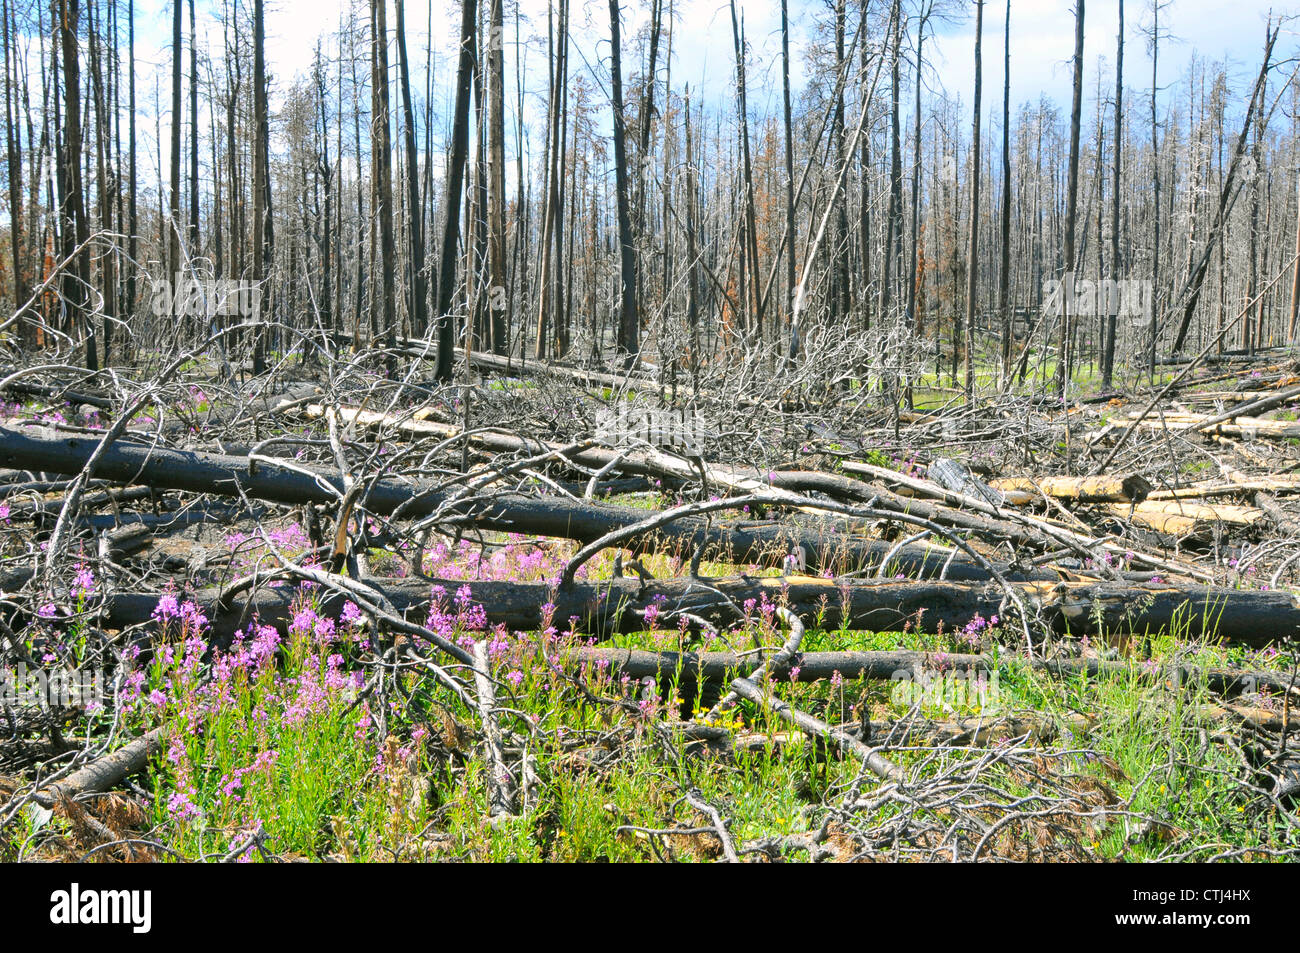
x=383, y=305
x=498, y=299
x=261, y=190
x=549, y=149
x=1108, y=345
x=972, y=267
x=559, y=175
x=76, y=280
x=451, y=199
x=629, y=329
x=360, y=256
x=415, y=223
x=1155, y=190
x=692, y=253
x=1064, y=355
x=100, y=101
x=894, y=212
x=327, y=174
x=749, y=246
x=917, y=315
x=791, y=236
x=646, y=120
x=194, y=138
x=173, y=227
x=133, y=218
x=13, y=141
x=1295, y=275
x=1004, y=268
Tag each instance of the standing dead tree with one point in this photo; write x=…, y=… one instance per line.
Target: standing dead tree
x=443, y=317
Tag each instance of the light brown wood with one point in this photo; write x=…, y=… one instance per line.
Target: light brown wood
x=1096, y=489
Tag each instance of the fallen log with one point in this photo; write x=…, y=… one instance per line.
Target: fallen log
x=829, y=546
x=989, y=521
x=657, y=463
x=693, y=668
x=37, y=509
x=1251, y=617
x=105, y=772
x=29, y=389
x=1236, y=426
x=172, y=518
x=115, y=544
x=1261, y=403
x=895, y=733
x=1098, y=489
x=1206, y=490
x=1281, y=520
x=1184, y=518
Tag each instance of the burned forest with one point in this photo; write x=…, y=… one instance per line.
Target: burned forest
x=671, y=430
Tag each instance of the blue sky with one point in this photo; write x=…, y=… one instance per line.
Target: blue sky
x=1042, y=37
x=1042, y=43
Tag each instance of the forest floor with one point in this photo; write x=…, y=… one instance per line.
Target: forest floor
x=342, y=613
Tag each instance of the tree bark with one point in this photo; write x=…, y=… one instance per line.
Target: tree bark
x=629, y=325
x=383, y=305
x=972, y=268
x=75, y=289
x=1248, y=617
x=415, y=224
x=445, y=320
x=174, y=160
x=1116, y=265
x=1064, y=356
x=261, y=180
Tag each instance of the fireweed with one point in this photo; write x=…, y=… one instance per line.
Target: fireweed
x=288, y=730
x=272, y=731
x=275, y=729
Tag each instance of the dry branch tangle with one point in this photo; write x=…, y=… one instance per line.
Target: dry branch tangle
x=825, y=546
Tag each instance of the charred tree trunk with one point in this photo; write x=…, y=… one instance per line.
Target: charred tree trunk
x=174, y=198
x=1108, y=345
x=75, y=286
x=498, y=279
x=1004, y=266
x=415, y=222
x=1064, y=356
x=791, y=235
x=629, y=327
x=972, y=267
x=262, y=231
x=446, y=321
x=194, y=138
x=13, y=142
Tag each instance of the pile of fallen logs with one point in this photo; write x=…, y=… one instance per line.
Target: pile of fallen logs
x=1111, y=552
x=1086, y=530
x=903, y=550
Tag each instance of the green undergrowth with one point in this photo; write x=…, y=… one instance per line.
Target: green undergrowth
x=306, y=743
